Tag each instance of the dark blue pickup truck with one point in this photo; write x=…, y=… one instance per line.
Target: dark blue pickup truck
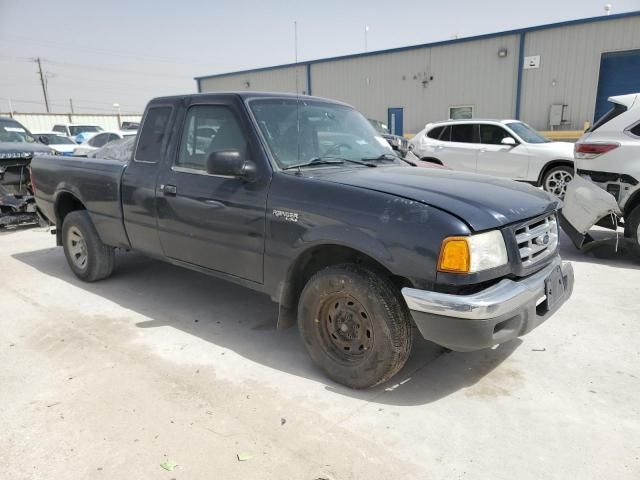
x=300, y=198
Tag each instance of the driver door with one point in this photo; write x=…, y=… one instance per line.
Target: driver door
x=213, y=221
x=495, y=158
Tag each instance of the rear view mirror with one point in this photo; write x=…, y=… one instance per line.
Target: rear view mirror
x=230, y=163
x=43, y=139
x=508, y=141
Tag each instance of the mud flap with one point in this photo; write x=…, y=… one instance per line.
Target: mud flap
x=585, y=204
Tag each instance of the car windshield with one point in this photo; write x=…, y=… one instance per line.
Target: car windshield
x=57, y=139
x=13, y=132
x=299, y=131
x=77, y=129
x=526, y=133
x=379, y=126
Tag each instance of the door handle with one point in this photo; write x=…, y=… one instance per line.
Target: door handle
x=169, y=190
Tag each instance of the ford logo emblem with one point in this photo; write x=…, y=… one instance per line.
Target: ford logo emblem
x=542, y=240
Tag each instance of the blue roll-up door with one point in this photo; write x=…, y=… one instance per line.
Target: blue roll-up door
x=619, y=75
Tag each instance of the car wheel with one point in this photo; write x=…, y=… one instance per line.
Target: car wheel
x=555, y=181
x=88, y=257
x=632, y=232
x=355, y=325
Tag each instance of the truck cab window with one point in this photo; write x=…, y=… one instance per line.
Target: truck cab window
x=153, y=135
x=209, y=129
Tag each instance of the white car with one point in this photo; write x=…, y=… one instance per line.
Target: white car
x=79, y=132
x=606, y=190
x=502, y=148
x=59, y=143
x=100, y=140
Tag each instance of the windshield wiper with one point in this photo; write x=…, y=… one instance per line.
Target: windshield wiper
x=327, y=161
x=384, y=156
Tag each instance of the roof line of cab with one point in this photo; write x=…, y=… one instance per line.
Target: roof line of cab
x=247, y=95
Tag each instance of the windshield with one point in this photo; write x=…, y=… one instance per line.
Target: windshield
x=526, y=133
x=13, y=132
x=379, y=126
x=76, y=129
x=316, y=130
x=57, y=139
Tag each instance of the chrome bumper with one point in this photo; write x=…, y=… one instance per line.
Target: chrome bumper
x=495, y=315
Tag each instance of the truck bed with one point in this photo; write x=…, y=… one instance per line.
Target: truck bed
x=94, y=181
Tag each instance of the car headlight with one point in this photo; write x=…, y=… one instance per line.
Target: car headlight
x=472, y=254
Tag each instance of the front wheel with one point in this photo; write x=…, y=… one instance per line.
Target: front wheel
x=88, y=257
x=555, y=181
x=355, y=325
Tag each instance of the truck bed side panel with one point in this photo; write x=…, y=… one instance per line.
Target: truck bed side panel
x=94, y=182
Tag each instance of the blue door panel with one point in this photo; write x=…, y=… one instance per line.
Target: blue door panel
x=395, y=119
x=619, y=75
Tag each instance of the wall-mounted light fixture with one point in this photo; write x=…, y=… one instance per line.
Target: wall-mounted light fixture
x=503, y=52
x=247, y=84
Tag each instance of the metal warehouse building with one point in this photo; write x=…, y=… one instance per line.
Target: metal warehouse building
x=554, y=77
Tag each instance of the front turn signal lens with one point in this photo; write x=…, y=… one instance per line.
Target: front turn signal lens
x=455, y=255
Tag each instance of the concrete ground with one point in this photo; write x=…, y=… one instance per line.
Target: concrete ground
x=108, y=380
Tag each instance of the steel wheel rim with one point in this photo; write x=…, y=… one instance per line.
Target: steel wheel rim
x=77, y=248
x=557, y=182
x=345, y=329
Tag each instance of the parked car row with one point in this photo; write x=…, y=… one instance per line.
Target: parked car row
x=501, y=148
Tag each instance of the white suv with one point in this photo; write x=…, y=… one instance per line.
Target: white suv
x=503, y=148
x=607, y=184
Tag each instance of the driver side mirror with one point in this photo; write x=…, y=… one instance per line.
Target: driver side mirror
x=231, y=164
x=508, y=141
x=43, y=139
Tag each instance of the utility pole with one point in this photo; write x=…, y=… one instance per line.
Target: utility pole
x=366, y=32
x=44, y=84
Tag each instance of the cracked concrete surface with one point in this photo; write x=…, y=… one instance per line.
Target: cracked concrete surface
x=107, y=380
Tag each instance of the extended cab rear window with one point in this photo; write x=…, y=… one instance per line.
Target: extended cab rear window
x=153, y=135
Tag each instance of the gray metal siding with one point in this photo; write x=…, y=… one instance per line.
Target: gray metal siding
x=276, y=80
x=463, y=74
x=570, y=58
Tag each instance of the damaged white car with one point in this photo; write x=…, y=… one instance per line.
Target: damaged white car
x=606, y=188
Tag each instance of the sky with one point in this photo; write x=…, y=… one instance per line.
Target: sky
x=127, y=52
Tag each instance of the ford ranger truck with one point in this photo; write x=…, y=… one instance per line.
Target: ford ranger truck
x=300, y=198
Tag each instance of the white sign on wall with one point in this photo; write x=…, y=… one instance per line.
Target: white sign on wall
x=532, y=62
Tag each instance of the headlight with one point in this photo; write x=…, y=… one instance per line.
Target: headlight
x=473, y=254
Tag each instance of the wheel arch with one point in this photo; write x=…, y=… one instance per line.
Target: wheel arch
x=552, y=164
x=315, y=258
x=65, y=203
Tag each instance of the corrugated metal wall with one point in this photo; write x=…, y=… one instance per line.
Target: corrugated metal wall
x=37, y=122
x=570, y=67
x=469, y=73
x=276, y=80
x=464, y=73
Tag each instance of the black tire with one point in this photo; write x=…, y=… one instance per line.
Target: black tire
x=88, y=257
x=632, y=232
x=556, y=179
x=355, y=325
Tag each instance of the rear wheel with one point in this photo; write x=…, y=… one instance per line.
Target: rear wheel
x=354, y=325
x=555, y=181
x=632, y=232
x=88, y=257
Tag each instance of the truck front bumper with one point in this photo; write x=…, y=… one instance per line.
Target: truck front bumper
x=500, y=313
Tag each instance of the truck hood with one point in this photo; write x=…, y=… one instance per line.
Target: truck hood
x=481, y=201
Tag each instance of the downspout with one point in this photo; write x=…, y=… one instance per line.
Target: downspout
x=519, y=75
x=308, y=79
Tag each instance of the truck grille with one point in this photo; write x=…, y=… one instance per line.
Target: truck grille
x=537, y=239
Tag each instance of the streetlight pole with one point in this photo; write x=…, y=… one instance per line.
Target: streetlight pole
x=366, y=31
